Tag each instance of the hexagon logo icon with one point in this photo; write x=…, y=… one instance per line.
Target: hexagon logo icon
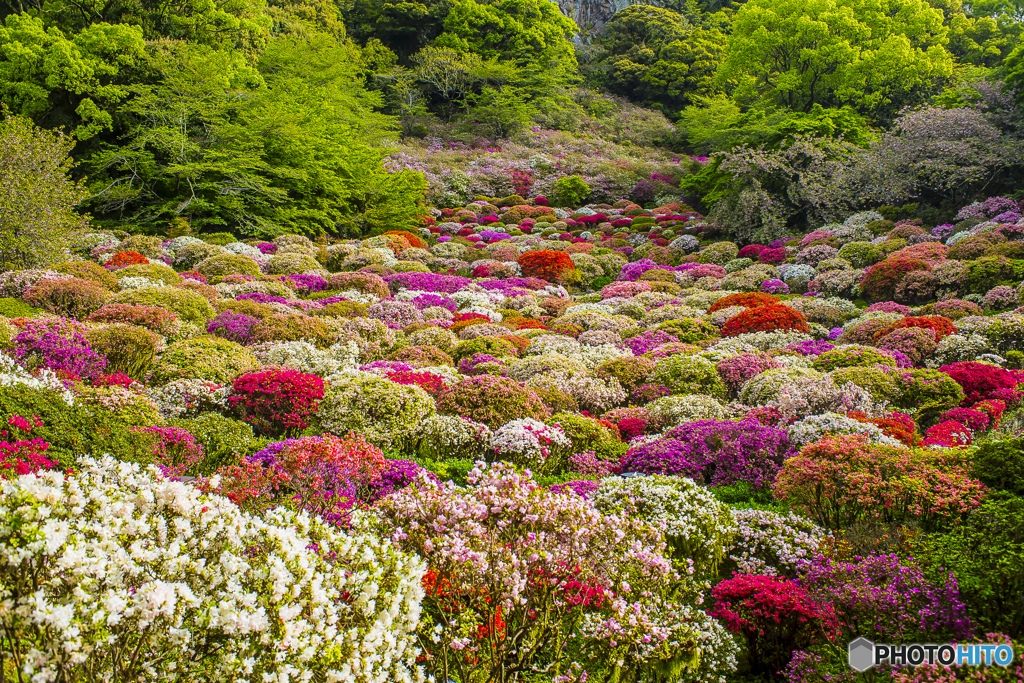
x=861, y=653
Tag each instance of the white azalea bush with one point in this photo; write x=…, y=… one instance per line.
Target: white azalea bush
x=699, y=529
x=117, y=574
x=529, y=443
x=772, y=544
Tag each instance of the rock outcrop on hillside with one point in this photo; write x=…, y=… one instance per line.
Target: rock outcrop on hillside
x=591, y=15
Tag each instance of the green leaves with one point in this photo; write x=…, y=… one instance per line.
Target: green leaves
x=876, y=55
x=40, y=65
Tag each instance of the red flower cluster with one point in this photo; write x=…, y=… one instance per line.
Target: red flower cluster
x=126, y=258
x=943, y=327
x=880, y=280
x=547, y=265
x=429, y=382
x=982, y=382
x=772, y=257
x=898, y=426
x=414, y=240
x=278, y=400
x=745, y=299
x=765, y=319
x=525, y=324
x=775, y=616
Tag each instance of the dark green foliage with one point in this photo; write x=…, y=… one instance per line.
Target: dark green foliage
x=71, y=431
x=225, y=441
x=999, y=464
x=986, y=554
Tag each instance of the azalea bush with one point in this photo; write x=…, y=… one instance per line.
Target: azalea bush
x=276, y=401
x=523, y=578
x=130, y=576
x=839, y=480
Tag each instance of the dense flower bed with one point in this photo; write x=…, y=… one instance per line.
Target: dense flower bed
x=597, y=442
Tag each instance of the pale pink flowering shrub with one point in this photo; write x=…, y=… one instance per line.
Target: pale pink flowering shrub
x=520, y=575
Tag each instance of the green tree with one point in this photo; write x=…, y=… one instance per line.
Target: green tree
x=60, y=80
x=37, y=196
x=876, y=55
x=403, y=26
x=240, y=24
x=291, y=144
x=531, y=35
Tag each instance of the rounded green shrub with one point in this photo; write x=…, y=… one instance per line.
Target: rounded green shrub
x=385, y=412
x=491, y=400
x=228, y=264
x=225, y=441
x=189, y=306
x=204, y=357
x=689, y=375
x=158, y=272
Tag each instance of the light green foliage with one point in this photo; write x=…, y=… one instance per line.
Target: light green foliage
x=37, y=197
x=296, y=153
x=225, y=441
x=872, y=55
x=208, y=358
x=188, y=305
x=41, y=65
x=571, y=190
x=386, y=413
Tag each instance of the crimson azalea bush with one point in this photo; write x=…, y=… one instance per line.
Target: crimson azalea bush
x=880, y=280
x=982, y=382
x=765, y=319
x=774, y=616
x=942, y=327
x=841, y=480
x=276, y=401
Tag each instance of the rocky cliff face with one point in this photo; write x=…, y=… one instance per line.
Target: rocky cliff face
x=591, y=15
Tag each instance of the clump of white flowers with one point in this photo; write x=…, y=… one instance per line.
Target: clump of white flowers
x=117, y=574
x=772, y=544
x=697, y=527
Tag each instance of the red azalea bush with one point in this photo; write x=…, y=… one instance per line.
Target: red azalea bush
x=880, y=280
x=414, y=241
x=841, y=480
x=949, y=434
x=775, y=616
x=320, y=474
x=772, y=257
x=975, y=420
x=751, y=251
x=428, y=381
x=20, y=454
x=982, y=381
x=547, y=265
x=994, y=408
x=278, y=400
x=126, y=258
x=766, y=319
x=898, y=426
x=943, y=327
x=745, y=299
